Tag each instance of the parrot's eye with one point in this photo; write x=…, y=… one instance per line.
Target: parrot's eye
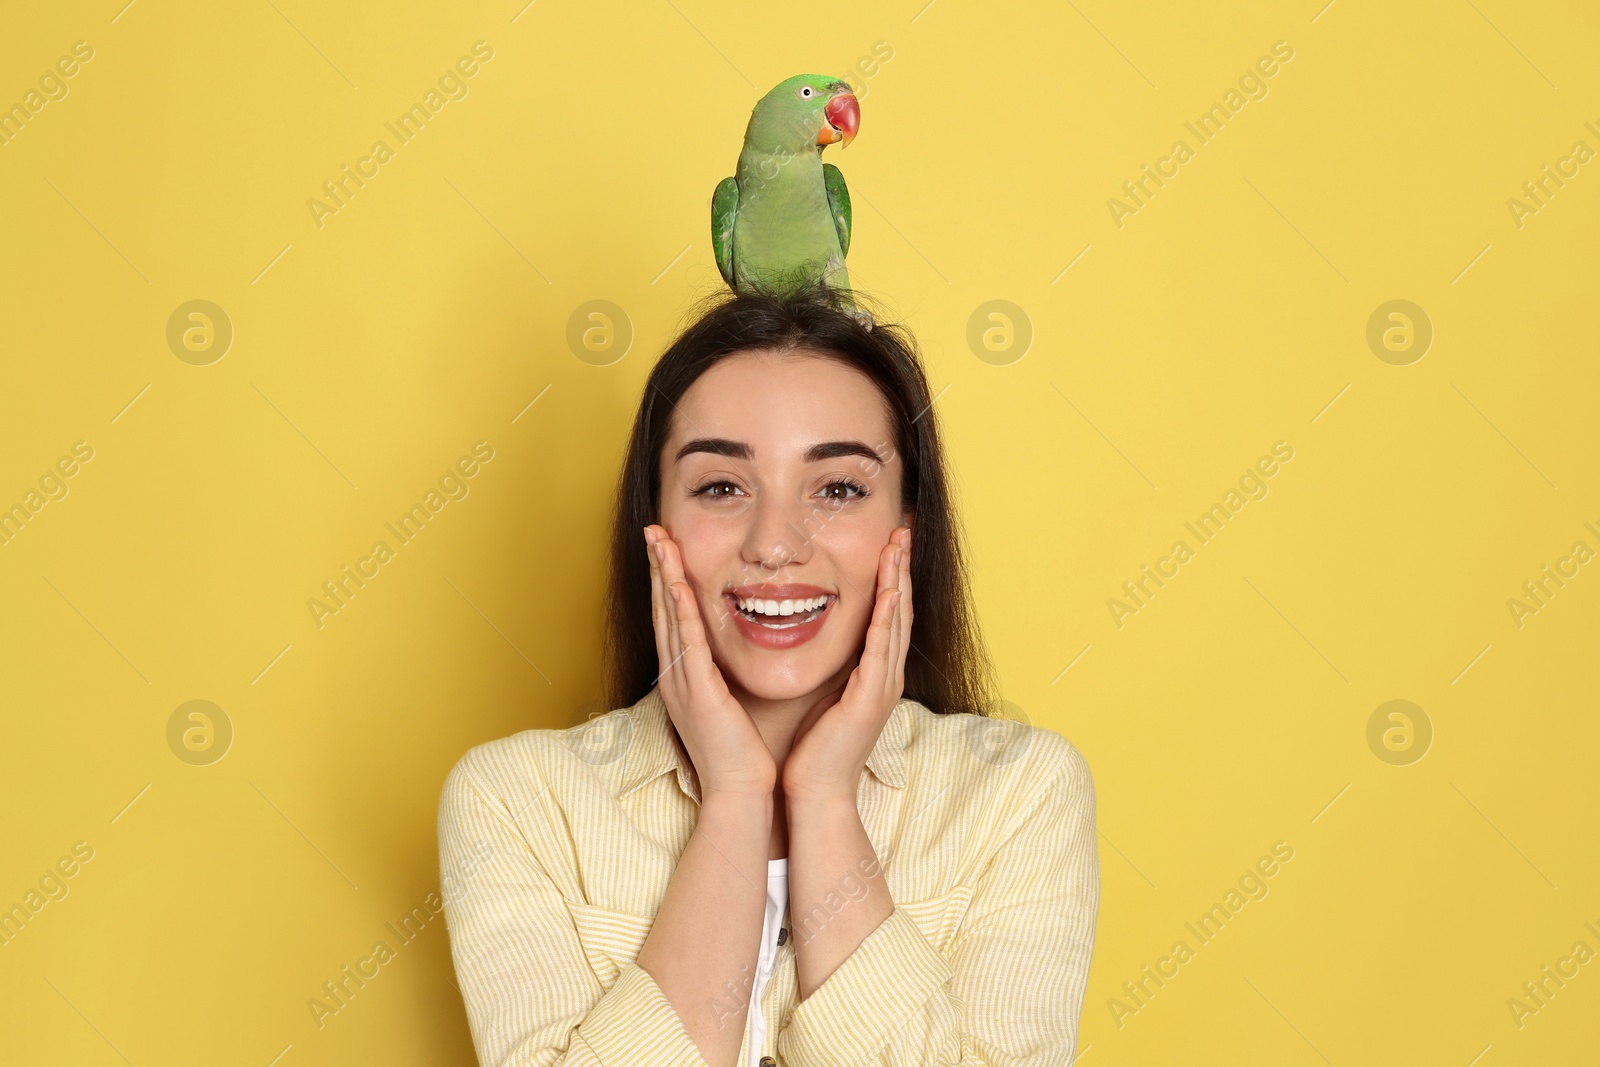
x=806, y=92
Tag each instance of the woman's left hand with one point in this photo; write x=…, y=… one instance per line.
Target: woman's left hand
x=833, y=740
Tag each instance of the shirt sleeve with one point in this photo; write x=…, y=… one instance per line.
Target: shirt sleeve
x=1011, y=991
x=532, y=999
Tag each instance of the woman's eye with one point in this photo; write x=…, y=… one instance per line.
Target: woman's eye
x=839, y=490
x=859, y=491
x=709, y=487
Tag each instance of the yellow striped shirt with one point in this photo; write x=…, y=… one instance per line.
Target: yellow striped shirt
x=556, y=847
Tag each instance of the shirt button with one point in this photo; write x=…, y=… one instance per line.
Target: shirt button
x=768, y=1061
x=783, y=934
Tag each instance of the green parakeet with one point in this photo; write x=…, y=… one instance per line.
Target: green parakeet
x=782, y=223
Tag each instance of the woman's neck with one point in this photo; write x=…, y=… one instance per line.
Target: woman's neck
x=781, y=720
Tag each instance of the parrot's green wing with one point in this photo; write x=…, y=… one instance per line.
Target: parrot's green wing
x=724, y=206
x=839, y=203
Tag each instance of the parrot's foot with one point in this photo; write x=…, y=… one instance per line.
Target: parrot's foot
x=863, y=317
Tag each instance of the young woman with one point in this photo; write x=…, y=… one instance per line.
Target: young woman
x=789, y=739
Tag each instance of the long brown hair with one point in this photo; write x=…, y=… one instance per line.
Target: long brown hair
x=947, y=667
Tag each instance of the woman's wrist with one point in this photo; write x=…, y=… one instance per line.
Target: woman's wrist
x=824, y=807
x=754, y=806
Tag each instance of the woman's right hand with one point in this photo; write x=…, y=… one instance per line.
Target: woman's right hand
x=729, y=754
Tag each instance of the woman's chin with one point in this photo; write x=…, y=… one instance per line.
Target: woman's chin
x=788, y=681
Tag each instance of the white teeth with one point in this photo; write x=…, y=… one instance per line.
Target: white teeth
x=779, y=608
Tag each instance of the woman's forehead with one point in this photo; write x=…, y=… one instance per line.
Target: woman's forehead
x=786, y=402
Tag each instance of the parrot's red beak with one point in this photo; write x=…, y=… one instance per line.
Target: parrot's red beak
x=844, y=118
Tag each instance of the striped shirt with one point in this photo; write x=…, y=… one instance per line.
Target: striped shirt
x=556, y=847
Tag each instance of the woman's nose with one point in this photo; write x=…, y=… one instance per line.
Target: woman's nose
x=780, y=533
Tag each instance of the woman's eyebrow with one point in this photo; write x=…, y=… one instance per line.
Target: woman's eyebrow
x=721, y=446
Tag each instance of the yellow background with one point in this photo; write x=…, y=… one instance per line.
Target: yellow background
x=1229, y=313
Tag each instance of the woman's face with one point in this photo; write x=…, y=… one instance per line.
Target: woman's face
x=780, y=482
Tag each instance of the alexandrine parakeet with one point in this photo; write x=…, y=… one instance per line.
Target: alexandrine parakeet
x=782, y=223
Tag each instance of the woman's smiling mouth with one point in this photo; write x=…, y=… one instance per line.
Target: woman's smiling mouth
x=779, y=616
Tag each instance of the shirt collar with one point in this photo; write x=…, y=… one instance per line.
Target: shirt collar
x=656, y=748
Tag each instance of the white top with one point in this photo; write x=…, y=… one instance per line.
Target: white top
x=777, y=900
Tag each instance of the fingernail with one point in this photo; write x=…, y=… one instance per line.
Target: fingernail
x=661, y=552
x=899, y=556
